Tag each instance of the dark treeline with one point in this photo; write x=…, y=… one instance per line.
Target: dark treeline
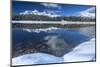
x=47, y=18
x=46, y=25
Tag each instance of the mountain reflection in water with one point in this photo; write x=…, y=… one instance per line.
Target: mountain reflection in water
x=55, y=41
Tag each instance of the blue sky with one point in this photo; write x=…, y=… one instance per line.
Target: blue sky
x=60, y=9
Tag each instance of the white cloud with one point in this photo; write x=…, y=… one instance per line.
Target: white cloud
x=88, y=13
x=45, y=13
x=51, y=5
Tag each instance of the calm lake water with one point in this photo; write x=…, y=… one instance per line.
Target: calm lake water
x=29, y=41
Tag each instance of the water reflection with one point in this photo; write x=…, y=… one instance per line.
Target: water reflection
x=88, y=31
x=53, y=41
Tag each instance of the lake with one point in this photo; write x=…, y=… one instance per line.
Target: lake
x=52, y=40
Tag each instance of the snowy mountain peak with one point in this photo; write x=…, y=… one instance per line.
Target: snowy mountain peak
x=44, y=13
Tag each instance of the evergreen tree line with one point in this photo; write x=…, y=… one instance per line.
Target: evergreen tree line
x=47, y=18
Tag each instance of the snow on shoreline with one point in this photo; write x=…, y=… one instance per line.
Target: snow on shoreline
x=53, y=22
x=83, y=52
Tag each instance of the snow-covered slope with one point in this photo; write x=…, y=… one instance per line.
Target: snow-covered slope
x=36, y=58
x=83, y=52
